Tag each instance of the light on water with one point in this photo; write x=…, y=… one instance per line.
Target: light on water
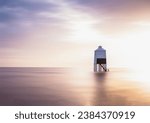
x=62, y=86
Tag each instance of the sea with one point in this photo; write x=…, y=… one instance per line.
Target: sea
x=37, y=86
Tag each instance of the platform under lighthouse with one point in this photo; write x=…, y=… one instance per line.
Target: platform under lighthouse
x=100, y=61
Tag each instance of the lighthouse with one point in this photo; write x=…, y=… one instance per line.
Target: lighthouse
x=100, y=62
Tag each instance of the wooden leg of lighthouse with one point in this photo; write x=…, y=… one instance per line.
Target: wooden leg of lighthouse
x=95, y=67
x=104, y=67
x=95, y=64
x=99, y=68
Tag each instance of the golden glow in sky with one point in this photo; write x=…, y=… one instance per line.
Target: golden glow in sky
x=66, y=33
x=83, y=32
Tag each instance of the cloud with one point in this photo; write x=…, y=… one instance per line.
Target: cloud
x=11, y=10
x=30, y=5
x=37, y=18
x=21, y=17
x=120, y=9
x=115, y=16
x=113, y=6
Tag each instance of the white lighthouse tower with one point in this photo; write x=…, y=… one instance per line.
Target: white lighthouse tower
x=100, y=63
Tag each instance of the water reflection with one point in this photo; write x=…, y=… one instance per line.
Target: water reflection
x=57, y=86
x=113, y=90
x=100, y=95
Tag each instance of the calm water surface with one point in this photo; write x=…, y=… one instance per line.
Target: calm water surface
x=63, y=87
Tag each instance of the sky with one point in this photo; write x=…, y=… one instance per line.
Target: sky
x=65, y=33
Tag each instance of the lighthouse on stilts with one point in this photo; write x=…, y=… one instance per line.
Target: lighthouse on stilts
x=100, y=61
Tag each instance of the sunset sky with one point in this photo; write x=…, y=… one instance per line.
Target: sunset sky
x=64, y=33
